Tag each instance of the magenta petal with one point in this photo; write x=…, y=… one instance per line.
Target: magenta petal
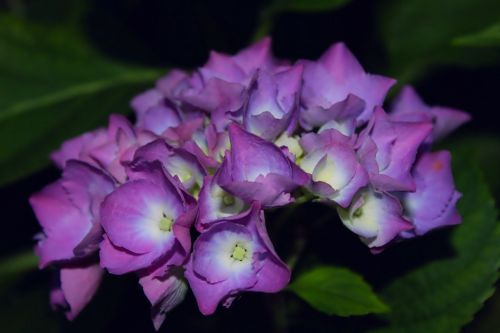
x=213, y=248
x=273, y=103
x=257, y=55
x=376, y=217
x=252, y=157
x=387, y=150
x=177, y=161
x=272, y=277
x=256, y=169
x=408, y=106
x=158, y=118
x=332, y=162
x=164, y=292
x=79, y=148
x=173, y=84
x=432, y=205
x=214, y=203
x=68, y=211
x=131, y=216
x=207, y=295
x=120, y=261
x=78, y=286
x=335, y=76
x=64, y=225
x=146, y=100
x=232, y=256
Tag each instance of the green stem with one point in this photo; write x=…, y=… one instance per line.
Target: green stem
x=264, y=24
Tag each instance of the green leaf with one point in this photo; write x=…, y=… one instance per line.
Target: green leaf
x=486, y=37
x=14, y=266
x=53, y=86
x=337, y=291
x=418, y=33
x=24, y=309
x=444, y=295
x=276, y=7
x=484, y=149
x=17, y=264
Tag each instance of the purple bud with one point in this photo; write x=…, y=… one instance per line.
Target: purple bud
x=376, y=217
x=432, y=205
x=338, y=86
x=332, y=162
x=255, y=169
x=273, y=103
x=387, y=150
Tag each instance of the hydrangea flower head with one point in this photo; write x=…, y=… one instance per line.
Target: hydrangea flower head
x=178, y=196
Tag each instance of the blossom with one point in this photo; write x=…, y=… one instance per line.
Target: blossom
x=408, y=106
x=387, y=149
x=377, y=217
x=432, y=205
x=77, y=285
x=234, y=255
x=79, y=148
x=215, y=147
x=255, y=169
x=336, y=87
x=332, y=162
x=177, y=162
x=146, y=220
x=273, y=103
x=215, y=203
x=68, y=211
x=165, y=288
x=122, y=141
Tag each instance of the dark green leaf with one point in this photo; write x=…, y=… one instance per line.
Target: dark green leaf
x=27, y=309
x=486, y=37
x=485, y=150
x=418, y=33
x=14, y=266
x=337, y=291
x=53, y=85
x=444, y=295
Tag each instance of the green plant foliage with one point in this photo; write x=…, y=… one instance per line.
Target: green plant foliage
x=27, y=309
x=485, y=150
x=53, y=86
x=419, y=33
x=444, y=295
x=337, y=291
x=13, y=267
x=486, y=37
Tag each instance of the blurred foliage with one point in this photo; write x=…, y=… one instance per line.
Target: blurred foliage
x=489, y=37
x=53, y=85
x=444, y=295
x=484, y=149
x=15, y=266
x=337, y=291
x=420, y=33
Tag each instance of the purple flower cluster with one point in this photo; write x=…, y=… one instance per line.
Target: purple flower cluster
x=212, y=149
